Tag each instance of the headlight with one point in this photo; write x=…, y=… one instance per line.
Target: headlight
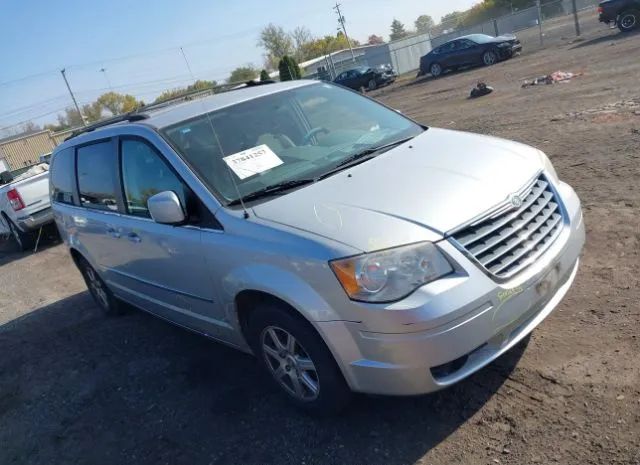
x=391, y=274
x=548, y=167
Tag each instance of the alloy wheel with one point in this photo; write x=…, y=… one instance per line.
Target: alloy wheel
x=628, y=21
x=96, y=287
x=290, y=364
x=436, y=70
x=489, y=58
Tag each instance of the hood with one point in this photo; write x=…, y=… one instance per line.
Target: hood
x=417, y=191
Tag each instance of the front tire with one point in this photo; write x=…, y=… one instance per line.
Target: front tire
x=98, y=289
x=629, y=20
x=297, y=360
x=372, y=85
x=489, y=58
x=436, y=70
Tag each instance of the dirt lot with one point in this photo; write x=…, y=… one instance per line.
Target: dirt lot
x=78, y=388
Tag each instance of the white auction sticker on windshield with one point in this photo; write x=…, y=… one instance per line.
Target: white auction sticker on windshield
x=252, y=161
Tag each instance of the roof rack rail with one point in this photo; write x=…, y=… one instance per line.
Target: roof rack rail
x=139, y=113
x=130, y=117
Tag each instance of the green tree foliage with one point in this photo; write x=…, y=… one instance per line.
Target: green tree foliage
x=277, y=43
x=424, y=23
x=375, y=40
x=243, y=74
x=180, y=91
x=289, y=69
x=264, y=75
x=116, y=104
x=397, y=31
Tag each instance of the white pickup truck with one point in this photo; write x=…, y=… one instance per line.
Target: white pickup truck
x=24, y=205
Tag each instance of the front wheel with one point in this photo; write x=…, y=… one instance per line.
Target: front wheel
x=435, y=70
x=372, y=85
x=628, y=20
x=298, y=360
x=489, y=58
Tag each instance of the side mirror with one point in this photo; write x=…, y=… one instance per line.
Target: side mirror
x=166, y=208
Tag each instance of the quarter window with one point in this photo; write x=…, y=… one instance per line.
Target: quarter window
x=144, y=174
x=96, y=176
x=61, y=184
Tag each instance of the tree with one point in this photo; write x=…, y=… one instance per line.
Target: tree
x=397, y=31
x=243, y=74
x=301, y=38
x=276, y=42
x=375, y=40
x=264, y=75
x=92, y=112
x=424, y=23
x=289, y=69
x=117, y=104
x=180, y=91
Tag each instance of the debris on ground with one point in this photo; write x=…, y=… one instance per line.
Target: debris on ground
x=480, y=90
x=558, y=76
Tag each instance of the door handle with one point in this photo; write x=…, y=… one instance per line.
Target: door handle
x=113, y=233
x=133, y=237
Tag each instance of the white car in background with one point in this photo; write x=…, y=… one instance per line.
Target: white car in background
x=24, y=204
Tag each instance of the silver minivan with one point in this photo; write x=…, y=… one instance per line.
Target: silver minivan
x=348, y=247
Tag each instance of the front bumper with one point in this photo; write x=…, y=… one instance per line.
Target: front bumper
x=35, y=220
x=453, y=327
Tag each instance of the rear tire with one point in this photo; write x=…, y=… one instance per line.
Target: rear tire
x=23, y=240
x=297, y=360
x=98, y=289
x=629, y=20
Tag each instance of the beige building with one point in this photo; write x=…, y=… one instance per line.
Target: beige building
x=25, y=150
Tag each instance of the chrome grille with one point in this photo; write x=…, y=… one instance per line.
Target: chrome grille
x=504, y=243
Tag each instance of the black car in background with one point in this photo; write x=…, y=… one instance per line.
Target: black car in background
x=369, y=78
x=623, y=13
x=474, y=49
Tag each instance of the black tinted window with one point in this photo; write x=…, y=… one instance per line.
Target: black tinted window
x=96, y=176
x=144, y=174
x=61, y=177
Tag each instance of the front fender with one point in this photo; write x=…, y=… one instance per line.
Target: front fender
x=280, y=283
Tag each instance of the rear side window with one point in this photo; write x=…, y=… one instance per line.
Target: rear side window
x=96, y=176
x=61, y=177
x=144, y=174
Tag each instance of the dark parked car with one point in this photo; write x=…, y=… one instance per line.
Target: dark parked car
x=368, y=78
x=623, y=13
x=474, y=49
x=388, y=71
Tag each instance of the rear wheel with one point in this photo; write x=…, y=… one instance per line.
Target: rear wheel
x=23, y=240
x=298, y=360
x=490, y=57
x=99, y=290
x=629, y=20
x=436, y=70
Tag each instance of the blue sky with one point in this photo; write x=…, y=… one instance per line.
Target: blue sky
x=137, y=43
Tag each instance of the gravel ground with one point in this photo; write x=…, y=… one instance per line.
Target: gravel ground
x=76, y=387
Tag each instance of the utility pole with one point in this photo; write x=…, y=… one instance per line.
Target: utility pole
x=75, y=102
x=575, y=16
x=341, y=20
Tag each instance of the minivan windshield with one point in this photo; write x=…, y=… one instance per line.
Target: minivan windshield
x=285, y=139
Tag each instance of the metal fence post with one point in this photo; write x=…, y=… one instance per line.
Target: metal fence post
x=540, y=21
x=495, y=27
x=575, y=16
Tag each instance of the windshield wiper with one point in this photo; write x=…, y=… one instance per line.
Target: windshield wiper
x=362, y=156
x=274, y=189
